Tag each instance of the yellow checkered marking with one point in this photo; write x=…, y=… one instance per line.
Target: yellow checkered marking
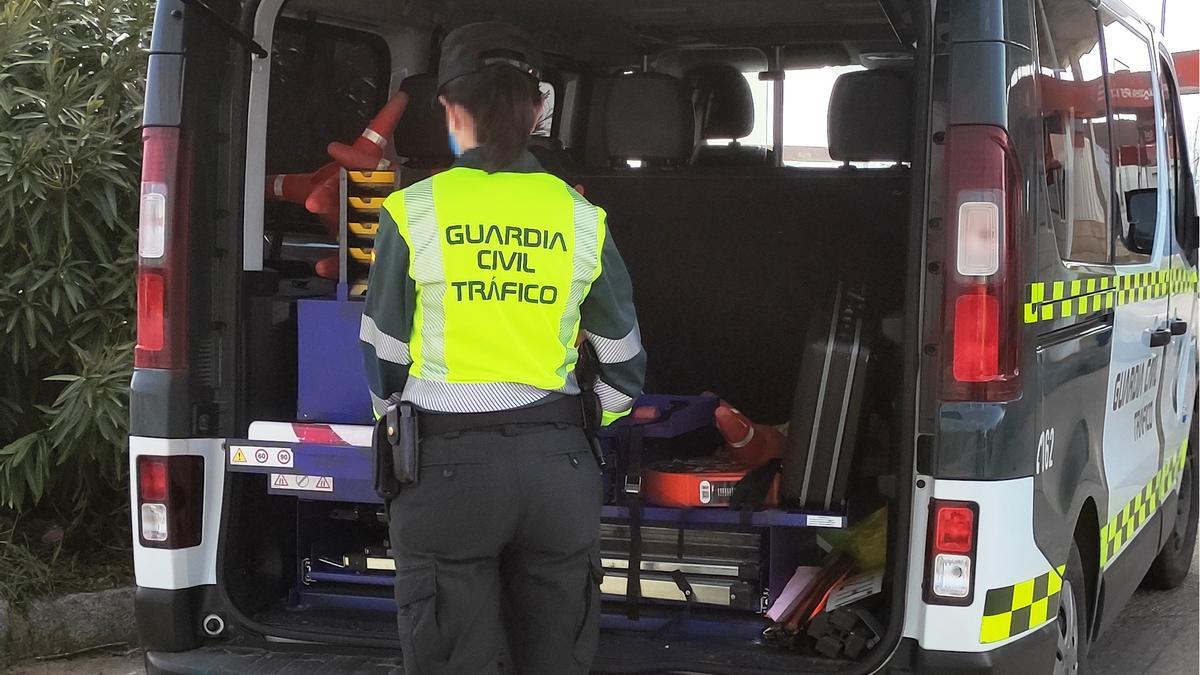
x=1120, y=530
x=1016, y=609
x=1047, y=301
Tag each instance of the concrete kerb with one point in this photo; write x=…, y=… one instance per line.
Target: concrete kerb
x=66, y=624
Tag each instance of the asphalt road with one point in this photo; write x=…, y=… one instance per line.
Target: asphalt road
x=1157, y=634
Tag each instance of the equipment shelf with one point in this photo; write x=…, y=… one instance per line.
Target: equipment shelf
x=714, y=516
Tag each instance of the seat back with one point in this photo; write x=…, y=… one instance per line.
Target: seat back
x=724, y=110
x=421, y=139
x=641, y=116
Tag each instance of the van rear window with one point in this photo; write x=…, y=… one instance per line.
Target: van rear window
x=806, y=94
x=326, y=84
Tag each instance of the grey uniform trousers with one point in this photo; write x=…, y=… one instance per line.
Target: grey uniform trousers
x=499, y=539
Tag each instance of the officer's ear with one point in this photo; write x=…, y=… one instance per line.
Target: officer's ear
x=455, y=115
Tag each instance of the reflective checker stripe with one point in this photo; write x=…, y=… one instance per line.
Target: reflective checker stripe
x=1120, y=530
x=1050, y=300
x=1012, y=610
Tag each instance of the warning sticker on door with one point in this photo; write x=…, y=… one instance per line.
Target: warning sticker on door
x=283, y=481
x=249, y=455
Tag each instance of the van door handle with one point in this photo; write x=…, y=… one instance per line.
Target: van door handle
x=1178, y=327
x=1160, y=337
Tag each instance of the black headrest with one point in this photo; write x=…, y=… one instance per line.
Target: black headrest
x=870, y=116
x=722, y=99
x=421, y=134
x=642, y=116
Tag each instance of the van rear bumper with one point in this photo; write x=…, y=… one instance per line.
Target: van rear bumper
x=291, y=660
x=1033, y=653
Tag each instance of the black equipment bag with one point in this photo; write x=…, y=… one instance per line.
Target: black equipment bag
x=827, y=408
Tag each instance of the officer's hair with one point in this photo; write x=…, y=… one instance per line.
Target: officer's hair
x=504, y=103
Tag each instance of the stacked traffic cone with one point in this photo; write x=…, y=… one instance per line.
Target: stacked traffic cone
x=318, y=191
x=751, y=445
x=367, y=151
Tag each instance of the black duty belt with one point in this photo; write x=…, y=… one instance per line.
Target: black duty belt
x=564, y=410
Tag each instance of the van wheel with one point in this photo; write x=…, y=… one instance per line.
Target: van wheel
x=1072, y=648
x=1171, y=566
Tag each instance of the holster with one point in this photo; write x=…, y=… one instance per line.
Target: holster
x=593, y=414
x=586, y=371
x=397, y=450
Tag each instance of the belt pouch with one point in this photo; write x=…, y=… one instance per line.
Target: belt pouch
x=404, y=437
x=384, y=477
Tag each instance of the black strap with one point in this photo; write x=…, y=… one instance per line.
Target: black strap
x=563, y=410
x=689, y=599
x=750, y=493
x=634, y=436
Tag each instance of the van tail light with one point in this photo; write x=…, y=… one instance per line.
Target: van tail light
x=983, y=297
x=162, y=252
x=170, y=500
x=950, y=565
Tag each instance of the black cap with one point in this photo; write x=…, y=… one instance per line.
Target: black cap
x=468, y=48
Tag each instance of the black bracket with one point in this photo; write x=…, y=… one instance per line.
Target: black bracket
x=235, y=33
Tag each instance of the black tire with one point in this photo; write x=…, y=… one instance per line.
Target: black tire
x=1171, y=566
x=1070, y=657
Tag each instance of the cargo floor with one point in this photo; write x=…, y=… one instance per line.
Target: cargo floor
x=717, y=642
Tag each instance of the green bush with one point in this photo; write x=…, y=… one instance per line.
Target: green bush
x=72, y=76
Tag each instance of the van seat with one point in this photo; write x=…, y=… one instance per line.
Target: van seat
x=724, y=109
x=641, y=116
x=421, y=139
x=870, y=116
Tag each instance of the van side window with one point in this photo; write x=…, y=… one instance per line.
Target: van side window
x=1076, y=138
x=1170, y=122
x=1132, y=119
x=326, y=84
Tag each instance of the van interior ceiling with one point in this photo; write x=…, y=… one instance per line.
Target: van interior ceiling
x=754, y=162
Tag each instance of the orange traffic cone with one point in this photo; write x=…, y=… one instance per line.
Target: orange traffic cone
x=295, y=187
x=323, y=197
x=750, y=444
x=327, y=268
x=289, y=187
x=367, y=151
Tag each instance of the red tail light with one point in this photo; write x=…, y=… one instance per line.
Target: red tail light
x=170, y=500
x=954, y=528
x=152, y=479
x=950, y=564
x=162, y=253
x=983, y=326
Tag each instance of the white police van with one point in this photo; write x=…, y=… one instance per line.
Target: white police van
x=1008, y=180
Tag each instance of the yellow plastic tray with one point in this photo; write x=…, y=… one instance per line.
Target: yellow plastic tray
x=372, y=177
x=365, y=255
x=366, y=203
x=363, y=229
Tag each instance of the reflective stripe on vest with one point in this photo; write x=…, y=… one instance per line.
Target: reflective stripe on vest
x=501, y=264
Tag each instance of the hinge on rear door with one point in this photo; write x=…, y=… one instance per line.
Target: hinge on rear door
x=235, y=33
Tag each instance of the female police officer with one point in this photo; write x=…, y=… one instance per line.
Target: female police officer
x=487, y=276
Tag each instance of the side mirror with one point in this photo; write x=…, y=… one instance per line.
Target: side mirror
x=1141, y=206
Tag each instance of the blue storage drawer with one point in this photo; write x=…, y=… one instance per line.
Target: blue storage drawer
x=331, y=383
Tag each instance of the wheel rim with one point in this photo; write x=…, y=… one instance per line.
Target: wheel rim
x=1066, y=660
x=1183, y=506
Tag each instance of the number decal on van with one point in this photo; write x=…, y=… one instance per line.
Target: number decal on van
x=1045, y=450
